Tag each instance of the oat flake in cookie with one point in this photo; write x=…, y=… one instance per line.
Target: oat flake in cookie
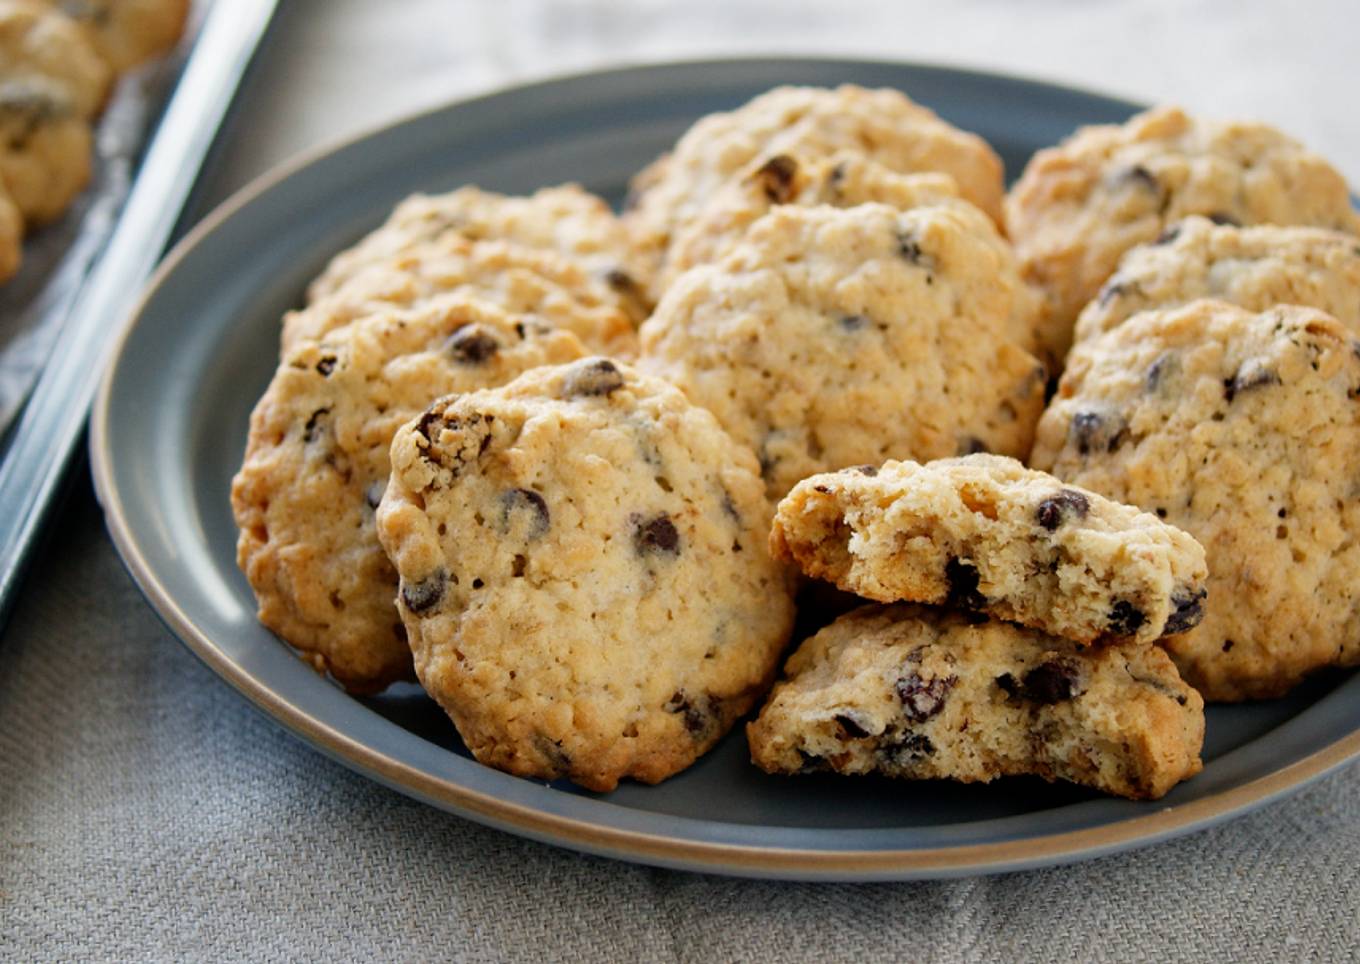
x=1244, y=430
x=1079, y=206
x=919, y=693
x=584, y=577
x=316, y=465
x=806, y=123
x=837, y=337
x=514, y=278
x=566, y=220
x=1255, y=268
x=986, y=534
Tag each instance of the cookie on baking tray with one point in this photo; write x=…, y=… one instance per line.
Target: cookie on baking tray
x=316, y=465
x=986, y=534
x=584, y=575
x=127, y=32
x=918, y=693
x=1243, y=429
x=1080, y=205
x=831, y=337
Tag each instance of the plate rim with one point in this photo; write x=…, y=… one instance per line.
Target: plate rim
x=708, y=856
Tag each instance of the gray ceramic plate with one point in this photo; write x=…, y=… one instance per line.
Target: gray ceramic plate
x=170, y=425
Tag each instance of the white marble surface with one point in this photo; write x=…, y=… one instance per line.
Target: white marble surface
x=146, y=812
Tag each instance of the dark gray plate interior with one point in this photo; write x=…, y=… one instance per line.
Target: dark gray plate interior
x=173, y=421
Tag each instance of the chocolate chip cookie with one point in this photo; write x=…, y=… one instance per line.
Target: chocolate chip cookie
x=1079, y=206
x=519, y=280
x=836, y=337
x=806, y=123
x=919, y=693
x=316, y=465
x=1256, y=268
x=566, y=220
x=1244, y=430
x=584, y=575
x=984, y=533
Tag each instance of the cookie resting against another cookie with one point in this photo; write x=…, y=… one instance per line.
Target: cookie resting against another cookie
x=1080, y=205
x=986, y=534
x=1255, y=268
x=833, y=337
x=566, y=220
x=516, y=279
x=584, y=577
x=670, y=196
x=1243, y=429
x=316, y=464
x=919, y=693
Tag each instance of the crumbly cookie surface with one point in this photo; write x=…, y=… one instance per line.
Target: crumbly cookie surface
x=1079, y=206
x=128, y=32
x=807, y=123
x=40, y=43
x=519, y=280
x=837, y=337
x=316, y=465
x=1255, y=268
x=584, y=573
x=567, y=220
x=918, y=693
x=986, y=534
x=45, y=146
x=1242, y=429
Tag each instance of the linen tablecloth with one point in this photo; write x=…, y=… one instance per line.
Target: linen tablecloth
x=147, y=811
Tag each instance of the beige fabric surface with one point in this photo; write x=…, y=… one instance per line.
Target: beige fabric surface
x=148, y=812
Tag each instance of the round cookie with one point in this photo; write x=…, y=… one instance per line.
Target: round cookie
x=843, y=180
x=128, y=32
x=11, y=237
x=836, y=337
x=986, y=534
x=1079, y=206
x=807, y=123
x=584, y=577
x=1244, y=430
x=519, y=280
x=317, y=461
x=38, y=43
x=1255, y=268
x=921, y=693
x=45, y=147
x=567, y=220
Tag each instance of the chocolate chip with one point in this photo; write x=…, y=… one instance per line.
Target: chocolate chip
x=473, y=345
x=852, y=727
x=972, y=445
x=1125, y=618
x=698, y=714
x=1218, y=217
x=525, y=501
x=907, y=749
x=1067, y=502
x=1050, y=682
x=962, y=578
x=423, y=595
x=1187, y=614
x=869, y=470
x=426, y=421
x=594, y=376
x=1228, y=644
x=1245, y=381
x=776, y=178
x=853, y=322
x=909, y=247
x=312, y=429
x=326, y=365
x=923, y=698
x=621, y=281
x=1092, y=432
x=809, y=763
x=655, y=535
x=374, y=493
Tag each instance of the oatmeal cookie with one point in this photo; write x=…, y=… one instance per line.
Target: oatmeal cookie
x=1244, y=430
x=922, y=693
x=584, y=576
x=986, y=534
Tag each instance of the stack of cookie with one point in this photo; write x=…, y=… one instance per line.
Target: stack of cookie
x=57, y=64
x=531, y=454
